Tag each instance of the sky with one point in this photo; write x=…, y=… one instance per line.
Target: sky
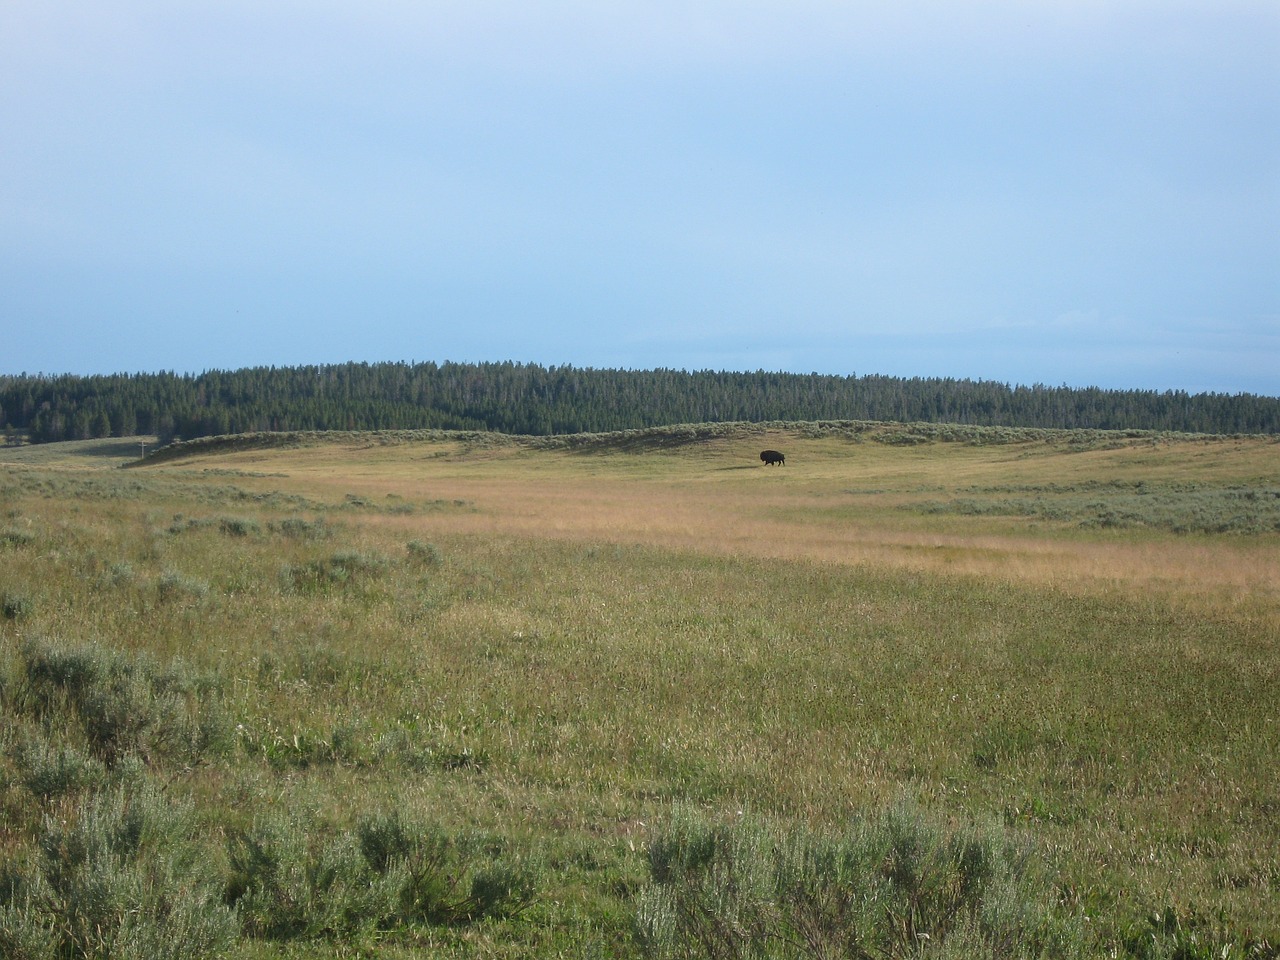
x=1079, y=192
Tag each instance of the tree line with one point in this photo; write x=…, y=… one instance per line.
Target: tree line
x=520, y=398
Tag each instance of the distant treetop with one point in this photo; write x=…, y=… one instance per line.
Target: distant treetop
x=529, y=399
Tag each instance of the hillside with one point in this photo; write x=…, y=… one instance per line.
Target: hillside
x=648, y=439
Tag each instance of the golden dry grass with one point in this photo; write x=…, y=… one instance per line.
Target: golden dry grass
x=836, y=501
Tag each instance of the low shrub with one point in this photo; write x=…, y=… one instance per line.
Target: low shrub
x=50, y=771
x=239, y=526
x=118, y=575
x=298, y=528
x=28, y=931
x=289, y=883
x=15, y=537
x=16, y=606
x=124, y=704
x=887, y=886
x=118, y=878
x=425, y=553
x=174, y=586
x=441, y=880
x=232, y=526
x=343, y=567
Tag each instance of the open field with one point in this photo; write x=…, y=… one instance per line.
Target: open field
x=558, y=658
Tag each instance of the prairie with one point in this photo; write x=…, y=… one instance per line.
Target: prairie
x=551, y=656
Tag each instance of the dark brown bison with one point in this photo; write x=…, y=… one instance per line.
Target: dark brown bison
x=770, y=457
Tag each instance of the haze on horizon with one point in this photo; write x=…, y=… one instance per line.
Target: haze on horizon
x=1081, y=193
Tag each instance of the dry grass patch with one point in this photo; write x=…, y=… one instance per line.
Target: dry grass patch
x=839, y=499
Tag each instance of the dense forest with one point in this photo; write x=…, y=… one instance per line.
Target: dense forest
x=521, y=398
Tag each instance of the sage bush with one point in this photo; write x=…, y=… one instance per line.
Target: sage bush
x=894, y=885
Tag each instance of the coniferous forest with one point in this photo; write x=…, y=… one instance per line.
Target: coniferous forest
x=519, y=398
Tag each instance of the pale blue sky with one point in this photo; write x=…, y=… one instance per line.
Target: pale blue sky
x=1067, y=191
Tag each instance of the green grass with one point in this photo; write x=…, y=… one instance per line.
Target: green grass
x=436, y=732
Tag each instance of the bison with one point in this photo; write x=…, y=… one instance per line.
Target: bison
x=770, y=457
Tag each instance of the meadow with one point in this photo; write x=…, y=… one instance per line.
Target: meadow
x=922, y=691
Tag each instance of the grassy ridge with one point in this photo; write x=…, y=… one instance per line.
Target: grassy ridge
x=510, y=700
x=648, y=439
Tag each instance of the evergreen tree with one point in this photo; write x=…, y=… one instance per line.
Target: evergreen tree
x=527, y=398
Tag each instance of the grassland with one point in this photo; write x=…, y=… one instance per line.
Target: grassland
x=529, y=667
